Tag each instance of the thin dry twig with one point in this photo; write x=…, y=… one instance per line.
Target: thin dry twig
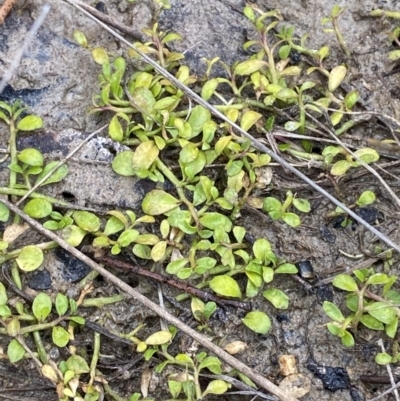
x=365, y=165
x=110, y=20
x=389, y=370
x=28, y=39
x=181, y=285
x=60, y=163
x=205, y=342
x=257, y=144
x=385, y=393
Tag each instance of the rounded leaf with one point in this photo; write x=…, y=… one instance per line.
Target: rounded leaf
x=159, y=338
x=216, y=387
x=249, y=66
x=115, y=130
x=30, y=123
x=77, y=364
x=383, y=358
x=32, y=157
x=277, y=298
x=157, y=202
x=345, y=282
x=333, y=311
x=30, y=258
x=123, y=163
x=15, y=351
x=80, y=38
x=41, y=306
x=249, y=118
x=336, y=77
x=38, y=208
x=366, y=198
x=87, y=221
x=291, y=219
x=61, y=304
x=60, y=336
x=100, y=56
x=382, y=312
x=158, y=251
x=225, y=286
x=257, y=321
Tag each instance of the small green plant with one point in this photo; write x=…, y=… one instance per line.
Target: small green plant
x=394, y=34
x=278, y=210
x=372, y=302
x=334, y=20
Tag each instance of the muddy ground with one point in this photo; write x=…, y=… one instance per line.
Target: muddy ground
x=57, y=78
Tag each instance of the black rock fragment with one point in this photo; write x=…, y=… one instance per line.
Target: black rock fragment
x=73, y=269
x=333, y=379
x=40, y=280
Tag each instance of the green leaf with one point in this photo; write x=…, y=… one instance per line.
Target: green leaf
x=87, y=221
x=347, y=339
x=5, y=311
x=391, y=328
x=3, y=294
x=378, y=278
x=31, y=157
x=248, y=119
x=197, y=119
x=212, y=363
x=157, y=202
x=216, y=387
x=257, y=321
x=4, y=213
x=212, y=220
x=60, y=336
x=30, y=258
x=176, y=265
x=115, y=130
x=291, y=219
x=383, y=358
x=56, y=176
x=277, y=298
x=38, y=208
x=142, y=251
x=249, y=66
x=225, y=286
x=371, y=322
x=366, y=198
x=272, y=205
x=209, y=88
x=123, y=163
x=80, y=38
x=336, y=77
x=41, y=306
x=100, y=56
x=127, y=237
x=113, y=225
x=287, y=268
x=30, y=123
x=345, y=282
x=302, y=204
x=158, y=251
x=333, y=311
x=77, y=364
x=382, y=312
x=145, y=155
x=61, y=304
x=159, y=338
x=340, y=167
x=15, y=351
x=73, y=235
x=367, y=155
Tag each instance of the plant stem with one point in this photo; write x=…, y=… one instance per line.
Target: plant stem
x=171, y=176
x=95, y=358
x=34, y=195
x=40, y=348
x=99, y=302
x=340, y=37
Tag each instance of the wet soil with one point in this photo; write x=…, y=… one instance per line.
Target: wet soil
x=56, y=79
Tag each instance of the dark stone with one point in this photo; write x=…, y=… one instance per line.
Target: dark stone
x=73, y=269
x=327, y=235
x=369, y=214
x=306, y=270
x=333, y=379
x=324, y=293
x=40, y=280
